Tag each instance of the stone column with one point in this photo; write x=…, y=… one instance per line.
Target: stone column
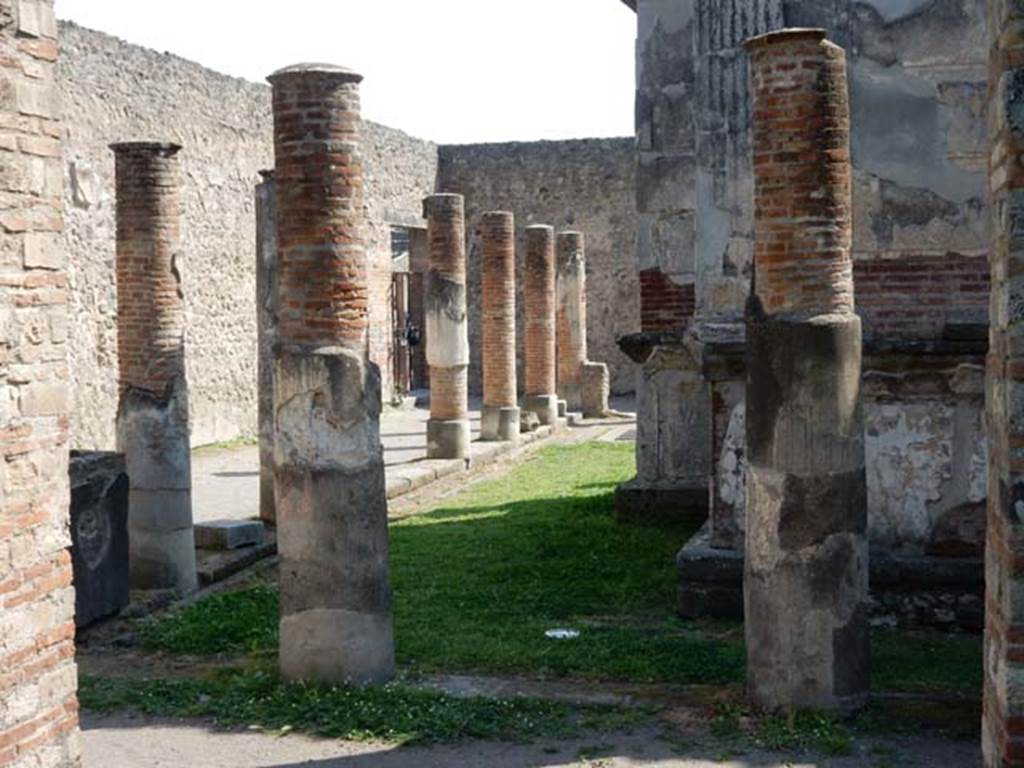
x=152, y=412
x=1003, y=721
x=539, y=293
x=39, y=709
x=571, y=317
x=806, y=572
x=266, y=331
x=329, y=470
x=500, y=419
x=446, y=328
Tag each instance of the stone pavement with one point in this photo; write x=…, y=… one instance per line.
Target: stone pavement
x=225, y=481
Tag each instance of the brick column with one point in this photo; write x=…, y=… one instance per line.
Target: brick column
x=266, y=331
x=152, y=411
x=39, y=715
x=446, y=328
x=500, y=418
x=571, y=317
x=329, y=470
x=539, y=294
x=806, y=573
x=1003, y=721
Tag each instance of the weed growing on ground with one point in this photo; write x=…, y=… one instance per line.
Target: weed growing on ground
x=393, y=713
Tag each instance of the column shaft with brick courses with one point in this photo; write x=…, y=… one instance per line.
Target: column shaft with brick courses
x=335, y=623
x=1002, y=730
x=500, y=417
x=152, y=413
x=38, y=705
x=266, y=332
x=447, y=331
x=539, y=342
x=806, y=572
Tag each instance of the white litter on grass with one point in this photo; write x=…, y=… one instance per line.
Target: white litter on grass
x=562, y=634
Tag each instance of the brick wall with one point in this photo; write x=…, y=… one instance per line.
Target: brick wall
x=539, y=292
x=498, y=308
x=664, y=305
x=1003, y=720
x=913, y=297
x=38, y=706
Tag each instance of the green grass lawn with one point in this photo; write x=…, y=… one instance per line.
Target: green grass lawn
x=479, y=580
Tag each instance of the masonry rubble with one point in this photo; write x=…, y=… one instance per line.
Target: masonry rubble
x=335, y=597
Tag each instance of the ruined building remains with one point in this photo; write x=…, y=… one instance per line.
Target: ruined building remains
x=500, y=416
x=539, y=360
x=917, y=76
x=39, y=719
x=152, y=413
x=444, y=301
x=1002, y=733
x=329, y=490
x=807, y=635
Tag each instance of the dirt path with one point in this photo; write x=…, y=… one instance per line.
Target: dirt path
x=126, y=742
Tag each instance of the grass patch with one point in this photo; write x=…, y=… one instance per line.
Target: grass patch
x=926, y=662
x=243, y=621
x=479, y=580
x=392, y=713
x=225, y=445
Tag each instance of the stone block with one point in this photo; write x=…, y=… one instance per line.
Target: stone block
x=228, y=534
x=99, y=534
x=43, y=250
x=594, y=389
x=46, y=398
x=641, y=502
x=36, y=19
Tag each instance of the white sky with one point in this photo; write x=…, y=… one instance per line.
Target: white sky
x=452, y=71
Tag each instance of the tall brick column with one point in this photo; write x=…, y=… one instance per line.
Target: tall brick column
x=571, y=314
x=806, y=576
x=152, y=412
x=500, y=418
x=266, y=332
x=446, y=328
x=38, y=706
x=1003, y=722
x=539, y=297
x=329, y=470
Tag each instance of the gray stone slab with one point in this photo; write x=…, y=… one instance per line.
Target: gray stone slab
x=228, y=534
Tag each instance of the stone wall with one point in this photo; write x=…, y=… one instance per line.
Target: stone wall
x=113, y=91
x=38, y=706
x=586, y=185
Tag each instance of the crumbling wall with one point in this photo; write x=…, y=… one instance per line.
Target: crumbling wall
x=38, y=706
x=586, y=185
x=114, y=91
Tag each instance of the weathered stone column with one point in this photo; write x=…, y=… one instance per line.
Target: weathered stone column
x=447, y=331
x=582, y=383
x=500, y=418
x=539, y=297
x=1003, y=721
x=806, y=573
x=329, y=471
x=152, y=412
x=266, y=332
x=571, y=316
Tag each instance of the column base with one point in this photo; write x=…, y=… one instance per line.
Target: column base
x=499, y=423
x=572, y=395
x=448, y=439
x=161, y=540
x=337, y=646
x=638, y=501
x=595, y=388
x=544, y=406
